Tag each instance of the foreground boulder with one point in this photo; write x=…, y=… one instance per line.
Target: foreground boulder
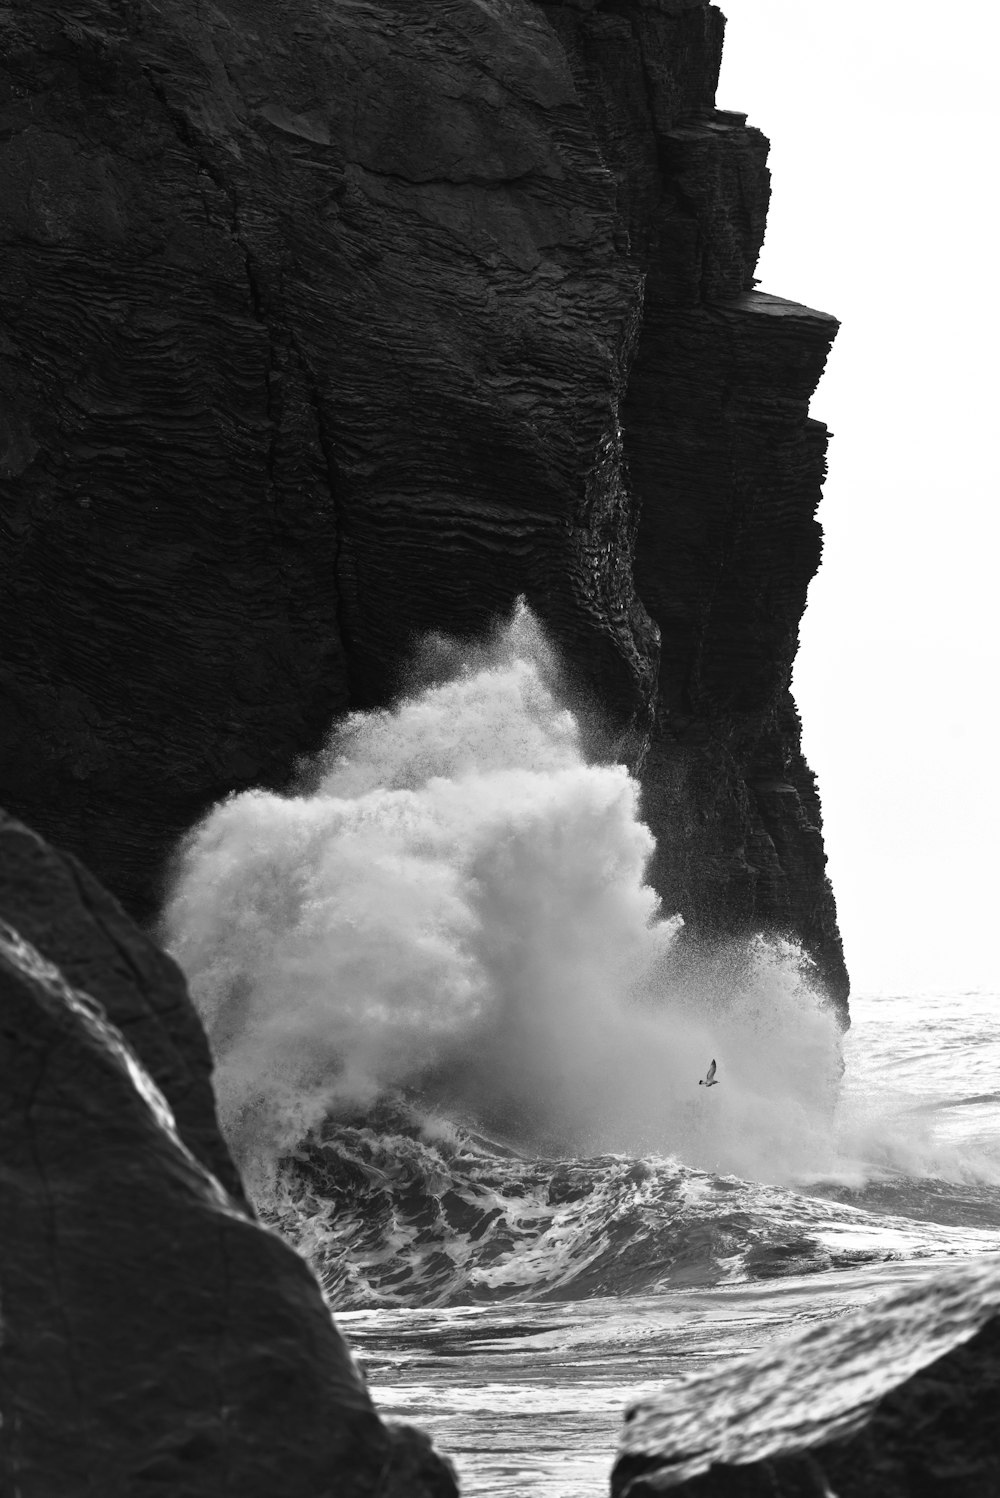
x=322, y=330
x=897, y=1401
x=155, y=1338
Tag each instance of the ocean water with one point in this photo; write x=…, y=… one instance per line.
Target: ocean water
x=458, y=1047
x=674, y=1270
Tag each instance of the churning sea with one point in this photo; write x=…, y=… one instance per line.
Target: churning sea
x=527, y=1394
x=458, y=1044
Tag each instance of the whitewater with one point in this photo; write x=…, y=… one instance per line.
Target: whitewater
x=457, y=1050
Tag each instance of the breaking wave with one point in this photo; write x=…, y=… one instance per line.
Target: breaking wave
x=449, y=920
x=455, y=905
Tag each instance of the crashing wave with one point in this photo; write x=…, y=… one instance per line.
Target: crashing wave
x=455, y=900
x=450, y=914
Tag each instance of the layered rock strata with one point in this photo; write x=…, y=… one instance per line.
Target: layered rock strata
x=898, y=1400
x=154, y=1336
x=326, y=325
x=725, y=467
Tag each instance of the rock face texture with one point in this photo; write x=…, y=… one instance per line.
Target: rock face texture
x=154, y=1337
x=323, y=325
x=892, y=1402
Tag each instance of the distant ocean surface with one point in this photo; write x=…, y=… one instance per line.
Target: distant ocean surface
x=527, y=1394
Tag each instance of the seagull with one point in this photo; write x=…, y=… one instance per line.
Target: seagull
x=708, y=1080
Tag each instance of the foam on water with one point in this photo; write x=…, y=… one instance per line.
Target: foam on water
x=453, y=907
x=388, y=1216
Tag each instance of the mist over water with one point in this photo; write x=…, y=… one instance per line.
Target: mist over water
x=453, y=910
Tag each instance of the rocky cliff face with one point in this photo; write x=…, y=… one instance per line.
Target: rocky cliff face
x=154, y=1337
x=325, y=325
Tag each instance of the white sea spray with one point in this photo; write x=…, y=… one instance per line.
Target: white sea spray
x=454, y=905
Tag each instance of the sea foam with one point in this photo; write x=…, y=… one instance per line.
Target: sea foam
x=452, y=907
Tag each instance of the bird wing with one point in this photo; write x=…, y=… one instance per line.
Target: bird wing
x=711, y=1072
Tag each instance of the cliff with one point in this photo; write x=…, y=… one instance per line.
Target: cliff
x=322, y=327
x=154, y=1336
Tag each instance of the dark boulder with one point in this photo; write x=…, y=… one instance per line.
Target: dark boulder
x=155, y=1337
x=899, y=1400
x=322, y=329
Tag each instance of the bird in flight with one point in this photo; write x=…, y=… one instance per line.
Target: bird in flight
x=708, y=1080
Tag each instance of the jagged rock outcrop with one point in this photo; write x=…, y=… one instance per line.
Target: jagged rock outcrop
x=154, y=1336
x=322, y=328
x=895, y=1401
x=725, y=466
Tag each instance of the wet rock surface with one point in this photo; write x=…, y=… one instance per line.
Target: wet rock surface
x=154, y=1335
x=897, y=1399
x=323, y=329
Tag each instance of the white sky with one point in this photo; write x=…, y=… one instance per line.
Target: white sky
x=886, y=176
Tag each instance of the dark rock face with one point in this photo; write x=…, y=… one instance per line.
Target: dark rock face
x=322, y=329
x=726, y=466
x=154, y=1336
x=60, y=909
x=894, y=1401
x=727, y=545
